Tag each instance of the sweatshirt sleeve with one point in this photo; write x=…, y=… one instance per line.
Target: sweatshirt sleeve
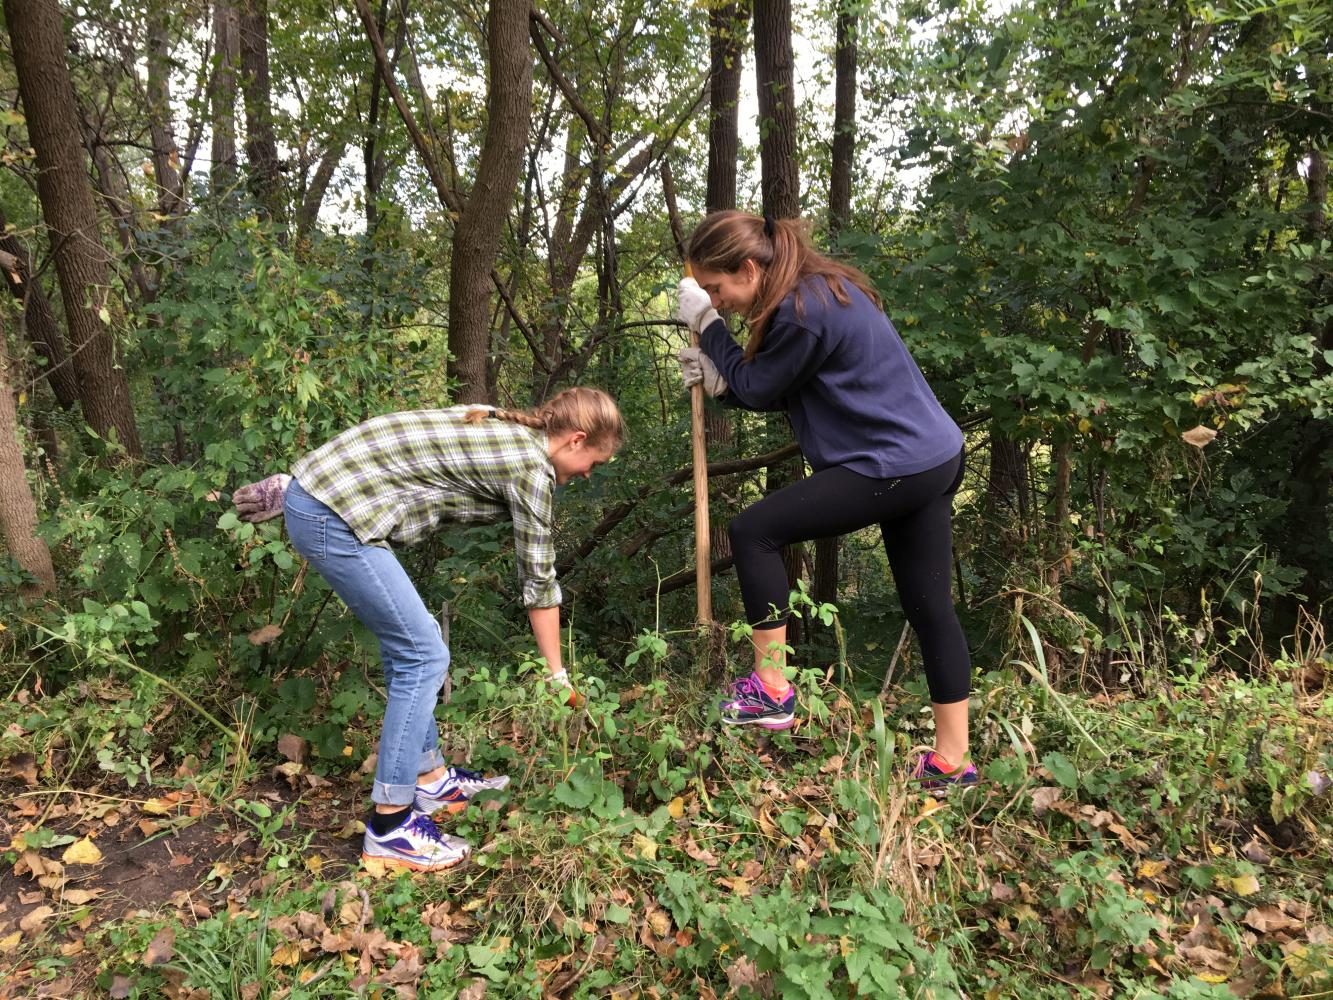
x=788, y=356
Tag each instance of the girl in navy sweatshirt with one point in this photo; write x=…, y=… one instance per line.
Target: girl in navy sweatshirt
x=881, y=449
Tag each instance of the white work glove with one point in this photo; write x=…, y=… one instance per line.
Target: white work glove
x=695, y=367
x=261, y=501
x=694, y=308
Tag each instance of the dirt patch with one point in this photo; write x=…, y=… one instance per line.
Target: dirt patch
x=174, y=853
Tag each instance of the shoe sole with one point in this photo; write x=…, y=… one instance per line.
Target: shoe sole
x=372, y=861
x=771, y=724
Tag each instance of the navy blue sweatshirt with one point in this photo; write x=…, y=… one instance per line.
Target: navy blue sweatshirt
x=854, y=395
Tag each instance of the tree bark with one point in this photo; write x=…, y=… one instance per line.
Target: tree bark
x=841, y=159
x=780, y=189
x=222, y=96
x=38, y=43
x=843, y=153
x=166, y=157
x=780, y=179
x=476, y=243
x=726, y=45
x=18, y=510
x=1308, y=485
x=261, y=146
x=39, y=322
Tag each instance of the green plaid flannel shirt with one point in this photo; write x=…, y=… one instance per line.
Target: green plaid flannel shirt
x=397, y=477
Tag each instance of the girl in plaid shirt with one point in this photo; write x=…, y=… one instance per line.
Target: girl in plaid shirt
x=396, y=479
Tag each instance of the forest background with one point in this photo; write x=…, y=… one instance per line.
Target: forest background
x=232, y=229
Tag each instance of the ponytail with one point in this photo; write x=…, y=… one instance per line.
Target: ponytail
x=785, y=254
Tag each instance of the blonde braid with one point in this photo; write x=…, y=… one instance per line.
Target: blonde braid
x=539, y=423
x=578, y=409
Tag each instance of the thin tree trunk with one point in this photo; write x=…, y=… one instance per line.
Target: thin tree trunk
x=18, y=510
x=726, y=45
x=843, y=153
x=261, y=146
x=727, y=24
x=372, y=156
x=166, y=157
x=1308, y=485
x=476, y=244
x=38, y=44
x=308, y=214
x=113, y=186
x=780, y=188
x=780, y=180
x=39, y=322
x=222, y=96
x=842, y=156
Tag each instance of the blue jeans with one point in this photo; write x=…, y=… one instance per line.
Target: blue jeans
x=374, y=585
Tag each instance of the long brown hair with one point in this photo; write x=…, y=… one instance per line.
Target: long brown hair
x=581, y=408
x=782, y=248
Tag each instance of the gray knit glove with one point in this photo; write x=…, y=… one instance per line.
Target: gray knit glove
x=261, y=501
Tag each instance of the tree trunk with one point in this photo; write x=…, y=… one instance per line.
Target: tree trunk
x=38, y=43
x=18, y=511
x=39, y=322
x=313, y=199
x=726, y=43
x=727, y=24
x=842, y=156
x=780, y=188
x=1308, y=485
x=113, y=186
x=166, y=157
x=222, y=96
x=372, y=155
x=780, y=181
x=476, y=243
x=261, y=146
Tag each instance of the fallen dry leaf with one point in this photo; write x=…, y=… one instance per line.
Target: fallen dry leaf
x=34, y=918
x=286, y=954
x=81, y=852
x=1245, y=885
x=1269, y=919
x=293, y=747
x=1044, y=798
x=24, y=767
x=1151, y=869
x=161, y=949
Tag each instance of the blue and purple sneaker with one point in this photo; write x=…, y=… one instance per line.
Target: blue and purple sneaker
x=416, y=843
x=455, y=789
x=749, y=704
x=937, y=776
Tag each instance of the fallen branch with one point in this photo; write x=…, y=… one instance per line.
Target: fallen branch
x=622, y=510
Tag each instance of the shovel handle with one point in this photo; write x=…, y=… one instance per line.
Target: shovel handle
x=703, y=569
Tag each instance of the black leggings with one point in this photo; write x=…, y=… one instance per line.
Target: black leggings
x=915, y=518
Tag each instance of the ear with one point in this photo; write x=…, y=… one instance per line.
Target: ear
x=751, y=269
x=577, y=438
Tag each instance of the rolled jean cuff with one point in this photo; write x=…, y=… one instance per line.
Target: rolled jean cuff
x=430, y=760
x=393, y=795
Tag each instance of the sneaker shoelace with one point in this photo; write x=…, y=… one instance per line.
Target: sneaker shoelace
x=424, y=826
x=746, y=686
